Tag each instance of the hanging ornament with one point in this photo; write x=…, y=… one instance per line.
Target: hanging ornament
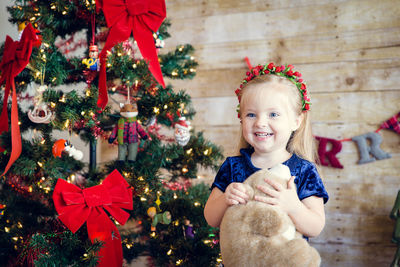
x=2, y=209
x=158, y=40
x=63, y=145
x=188, y=229
x=92, y=62
x=73, y=152
x=78, y=180
x=58, y=148
x=127, y=131
x=182, y=131
x=41, y=112
x=164, y=218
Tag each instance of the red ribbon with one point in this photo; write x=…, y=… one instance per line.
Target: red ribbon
x=16, y=56
x=142, y=17
x=76, y=206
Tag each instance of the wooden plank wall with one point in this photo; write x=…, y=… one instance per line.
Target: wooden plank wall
x=349, y=54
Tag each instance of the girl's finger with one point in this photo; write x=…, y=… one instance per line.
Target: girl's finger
x=240, y=194
x=268, y=200
x=270, y=192
x=275, y=185
x=232, y=202
x=291, y=183
x=237, y=199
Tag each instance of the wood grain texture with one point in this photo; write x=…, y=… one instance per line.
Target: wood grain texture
x=349, y=54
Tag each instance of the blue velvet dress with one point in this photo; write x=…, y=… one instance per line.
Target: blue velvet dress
x=237, y=169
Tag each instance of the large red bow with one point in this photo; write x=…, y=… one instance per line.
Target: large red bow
x=75, y=206
x=142, y=17
x=16, y=56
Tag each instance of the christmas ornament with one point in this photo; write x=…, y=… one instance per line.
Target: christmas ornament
x=188, y=229
x=164, y=218
x=78, y=179
x=92, y=62
x=127, y=132
x=2, y=209
x=41, y=112
x=374, y=149
x=182, y=133
x=16, y=56
x=63, y=145
x=76, y=206
x=58, y=147
x=73, y=152
x=159, y=42
x=142, y=17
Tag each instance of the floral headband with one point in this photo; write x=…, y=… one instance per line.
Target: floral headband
x=283, y=71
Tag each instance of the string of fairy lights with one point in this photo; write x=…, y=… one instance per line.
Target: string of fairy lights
x=44, y=182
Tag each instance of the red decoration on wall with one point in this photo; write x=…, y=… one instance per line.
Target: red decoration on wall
x=142, y=17
x=16, y=56
x=76, y=206
x=392, y=124
x=330, y=155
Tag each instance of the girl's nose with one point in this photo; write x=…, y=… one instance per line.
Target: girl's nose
x=261, y=121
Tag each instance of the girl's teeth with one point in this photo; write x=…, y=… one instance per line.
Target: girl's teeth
x=263, y=134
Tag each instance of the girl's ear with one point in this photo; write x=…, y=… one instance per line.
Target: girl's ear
x=298, y=121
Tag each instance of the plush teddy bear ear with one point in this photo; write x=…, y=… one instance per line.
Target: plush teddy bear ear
x=281, y=171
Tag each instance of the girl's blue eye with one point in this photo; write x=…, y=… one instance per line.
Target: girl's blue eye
x=273, y=114
x=250, y=115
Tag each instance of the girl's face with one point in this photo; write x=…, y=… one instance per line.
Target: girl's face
x=268, y=119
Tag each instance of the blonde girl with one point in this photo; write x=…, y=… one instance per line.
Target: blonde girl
x=275, y=128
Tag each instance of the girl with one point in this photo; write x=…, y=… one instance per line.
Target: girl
x=275, y=128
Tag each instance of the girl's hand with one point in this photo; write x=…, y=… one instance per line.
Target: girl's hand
x=286, y=199
x=235, y=193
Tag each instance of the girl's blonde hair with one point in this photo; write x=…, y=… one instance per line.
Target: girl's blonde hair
x=302, y=142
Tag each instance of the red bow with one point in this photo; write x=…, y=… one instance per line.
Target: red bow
x=75, y=206
x=16, y=56
x=142, y=17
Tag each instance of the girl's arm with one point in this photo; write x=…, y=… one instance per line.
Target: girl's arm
x=215, y=207
x=307, y=215
x=219, y=201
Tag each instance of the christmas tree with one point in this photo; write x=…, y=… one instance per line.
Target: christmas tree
x=54, y=205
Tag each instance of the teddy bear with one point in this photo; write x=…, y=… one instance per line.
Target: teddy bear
x=127, y=132
x=259, y=234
